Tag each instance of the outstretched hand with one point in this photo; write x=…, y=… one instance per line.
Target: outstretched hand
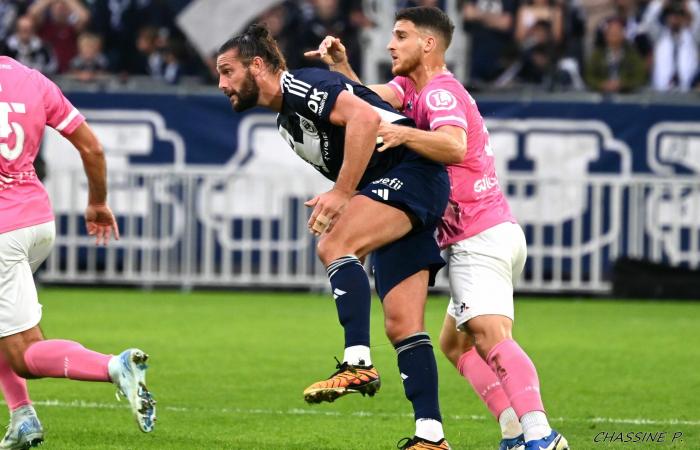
x=331, y=51
x=100, y=222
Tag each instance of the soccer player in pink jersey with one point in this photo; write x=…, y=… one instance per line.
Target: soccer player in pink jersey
x=486, y=247
x=28, y=102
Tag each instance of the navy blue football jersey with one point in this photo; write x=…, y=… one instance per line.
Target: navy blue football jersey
x=304, y=122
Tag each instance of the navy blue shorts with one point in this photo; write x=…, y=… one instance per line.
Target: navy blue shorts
x=420, y=188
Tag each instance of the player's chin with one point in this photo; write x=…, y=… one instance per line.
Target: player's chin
x=397, y=69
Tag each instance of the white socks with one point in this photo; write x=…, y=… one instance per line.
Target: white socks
x=429, y=429
x=535, y=425
x=357, y=355
x=510, y=426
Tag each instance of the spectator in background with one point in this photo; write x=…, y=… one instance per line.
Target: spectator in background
x=149, y=44
x=330, y=17
x=630, y=12
x=285, y=23
x=534, y=12
x=59, y=22
x=28, y=48
x=118, y=21
x=90, y=64
x=490, y=26
x=539, y=66
x=173, y=55
x=671, y=26
x=9, y=11
x=617, y=66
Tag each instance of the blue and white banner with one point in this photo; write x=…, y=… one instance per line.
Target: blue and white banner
x=568, y=169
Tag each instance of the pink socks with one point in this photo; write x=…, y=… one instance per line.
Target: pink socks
x=484, y=381
x=518, y=376
x=14, y=387
x=57, y=358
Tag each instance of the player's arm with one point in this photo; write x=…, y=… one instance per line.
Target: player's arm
x=447, y=144
x=99, y=219
x=361, y=124
x=332, y=52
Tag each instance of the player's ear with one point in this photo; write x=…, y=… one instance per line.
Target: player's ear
x=256, y=66
x=429, y=43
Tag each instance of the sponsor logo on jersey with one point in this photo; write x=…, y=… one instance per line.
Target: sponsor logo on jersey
x=317, y=101
x=440, y=100
x=485, y=183
x=307, y=126
x=391, y=183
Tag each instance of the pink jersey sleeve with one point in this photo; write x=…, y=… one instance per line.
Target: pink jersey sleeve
x=443, y=107
x=398, y=85
x=60, y=113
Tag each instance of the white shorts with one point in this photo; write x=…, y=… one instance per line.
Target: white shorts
x=483, y=270
x=21, y=252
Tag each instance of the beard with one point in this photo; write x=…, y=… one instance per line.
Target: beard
x=406, y=66
x=248, y=95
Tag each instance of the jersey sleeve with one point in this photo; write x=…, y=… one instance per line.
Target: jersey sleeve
x=444, y=107
x=312, y=97
x=60, y=112
x=398, y=85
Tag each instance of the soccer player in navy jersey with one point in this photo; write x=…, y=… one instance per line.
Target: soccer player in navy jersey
x=384, y=203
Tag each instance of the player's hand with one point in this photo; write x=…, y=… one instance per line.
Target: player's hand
x=100, y=222
x=327, y=210
x=331, y=51
x=390, y=135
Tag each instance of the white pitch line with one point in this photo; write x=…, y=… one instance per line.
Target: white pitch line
x=317, y=412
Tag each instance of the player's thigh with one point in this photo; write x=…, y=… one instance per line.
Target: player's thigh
x=404, y=306
x=481, y=275
x=19, y=304
x=364, y=226
x=44, y=239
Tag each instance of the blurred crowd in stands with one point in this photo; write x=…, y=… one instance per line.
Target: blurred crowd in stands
x=608, y=46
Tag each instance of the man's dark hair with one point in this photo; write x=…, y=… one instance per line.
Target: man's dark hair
x=429, y=17
x=256, y=41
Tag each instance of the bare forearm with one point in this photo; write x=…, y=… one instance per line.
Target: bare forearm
x=96, y=172
x=436, y=146
x=345, y=69
x=360, y=140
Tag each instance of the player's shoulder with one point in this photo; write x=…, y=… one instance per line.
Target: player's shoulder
x=447, y=82
x=11, y=67
x=311, y=75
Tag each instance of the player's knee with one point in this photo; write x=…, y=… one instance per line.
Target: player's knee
x=329, y=249
x=398, y=328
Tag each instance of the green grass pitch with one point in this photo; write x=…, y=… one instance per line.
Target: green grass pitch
x=228, y=370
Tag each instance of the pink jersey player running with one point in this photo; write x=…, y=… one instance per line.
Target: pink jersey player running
x=486, y=247
x=28, y=102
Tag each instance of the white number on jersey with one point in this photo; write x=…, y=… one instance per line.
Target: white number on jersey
x=7, y=128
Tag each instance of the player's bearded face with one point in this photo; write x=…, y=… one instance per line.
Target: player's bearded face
x=405, y=61
x=247, y=96
x=404, y=48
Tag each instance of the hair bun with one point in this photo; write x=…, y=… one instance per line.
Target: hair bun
x=257, y=30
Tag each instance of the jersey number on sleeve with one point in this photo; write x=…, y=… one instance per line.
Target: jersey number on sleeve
x=6, y=129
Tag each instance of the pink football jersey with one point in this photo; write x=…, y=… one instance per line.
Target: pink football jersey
x=476, y=201
x=28, y=102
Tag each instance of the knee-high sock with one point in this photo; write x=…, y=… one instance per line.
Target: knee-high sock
x=352, y=294
x=517, y=375
x=420, y=376
x=484, y=382
x=14, y=387
x=56, y=358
